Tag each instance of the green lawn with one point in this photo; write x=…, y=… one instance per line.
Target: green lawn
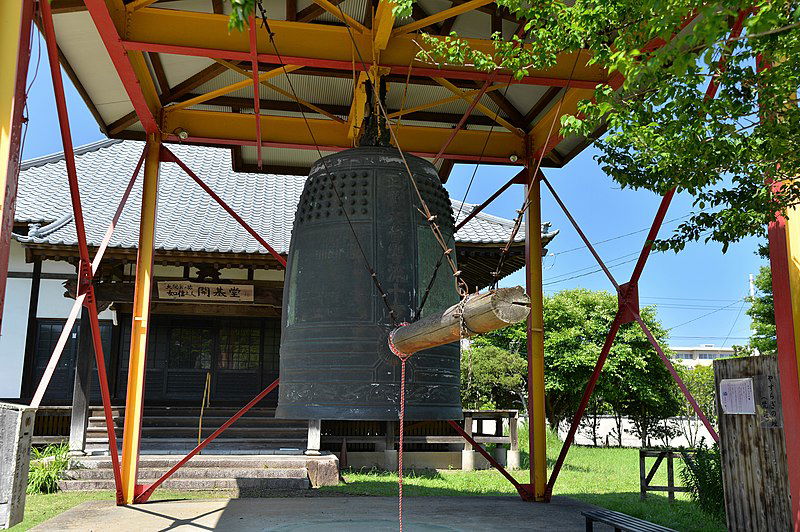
x=605, y=477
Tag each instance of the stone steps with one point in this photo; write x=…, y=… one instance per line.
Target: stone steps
x=173, y=430
x=148, y=475
x=251, y=474
x=198, y=484
x=209, y=421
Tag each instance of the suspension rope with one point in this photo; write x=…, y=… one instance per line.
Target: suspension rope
x=460, y=286
x=461, y=206
x=537, y=175
x=367, y=265
x=401, y=423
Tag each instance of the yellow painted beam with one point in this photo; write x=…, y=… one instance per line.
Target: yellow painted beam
x=275, y=72
x=494, y=115
x=440, y=16
x=357, y=107
x=536, y=404
x=383, y=24
x=243, y=72
x=316, y=41
x=337, y=12
x=283, y=130
x=134, y=402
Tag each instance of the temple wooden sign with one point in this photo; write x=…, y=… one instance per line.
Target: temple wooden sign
x=216, y=292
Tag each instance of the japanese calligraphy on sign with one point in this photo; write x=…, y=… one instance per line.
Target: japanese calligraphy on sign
x=736, y=396
x=189, y=291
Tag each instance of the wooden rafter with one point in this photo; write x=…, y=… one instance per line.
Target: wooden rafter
x=336, y=11
x=440, y=16
x=161, y=76
x=418, y=13
x=499, y=98
x=485, y=110
x=312, y=12
x=232, y=87
x=540, y=106
x=449, y=99
x=239, y=70
x=335, y=111
x=139, y=4
x=291, y=9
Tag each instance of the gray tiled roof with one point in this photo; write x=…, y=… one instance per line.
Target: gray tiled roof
x=187, y=218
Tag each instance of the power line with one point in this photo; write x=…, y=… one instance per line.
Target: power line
x=620, y=236
x=598, y=270
x=704, y=315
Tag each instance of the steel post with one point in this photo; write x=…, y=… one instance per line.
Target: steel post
x=85, y=289
x=784, y=251
x=537, y=419
x=15, y=33
x=134, y=402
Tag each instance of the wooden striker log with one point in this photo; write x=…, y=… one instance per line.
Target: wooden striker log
x=483, y=313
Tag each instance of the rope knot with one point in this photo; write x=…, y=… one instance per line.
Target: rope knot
x=393, y=348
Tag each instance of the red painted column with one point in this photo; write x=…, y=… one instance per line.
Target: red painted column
x=784, y=291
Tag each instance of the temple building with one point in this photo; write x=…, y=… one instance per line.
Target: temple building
x=215, y=329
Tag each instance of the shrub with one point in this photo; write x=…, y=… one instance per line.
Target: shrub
x=703, y=477
x=47, y=467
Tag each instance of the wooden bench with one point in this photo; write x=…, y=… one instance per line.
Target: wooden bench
x=621, y=522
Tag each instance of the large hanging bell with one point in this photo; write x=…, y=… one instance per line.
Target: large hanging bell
x=361, y=259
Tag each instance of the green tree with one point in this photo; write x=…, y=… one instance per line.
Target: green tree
x=700, y=383
x=492, y=377
x=762, y=314
x=634, y=380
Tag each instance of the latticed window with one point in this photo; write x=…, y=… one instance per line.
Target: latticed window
x=239, y=347
x=272, y=344
x=190, y=347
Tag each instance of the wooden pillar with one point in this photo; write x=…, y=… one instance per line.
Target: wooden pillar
x=784, y=252
x=15, y=31
x=79, y=420
x=537, y=421
x=314, y=437
x=134, y=401
x=29, y=362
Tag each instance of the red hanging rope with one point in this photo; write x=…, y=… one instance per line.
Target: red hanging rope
x=403, y=358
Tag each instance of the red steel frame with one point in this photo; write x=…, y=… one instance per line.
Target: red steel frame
x=15, y=148
x=788, y=370
x=85, y=274
x=628, y=310
x=463, y=120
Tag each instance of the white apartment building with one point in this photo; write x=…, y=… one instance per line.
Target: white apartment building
x=701, y=355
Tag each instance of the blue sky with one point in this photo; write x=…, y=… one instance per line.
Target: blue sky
x=698, y=281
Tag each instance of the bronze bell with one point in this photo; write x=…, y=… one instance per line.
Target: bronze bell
x=358, y=211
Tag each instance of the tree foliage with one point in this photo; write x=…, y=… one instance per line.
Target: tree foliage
x=634, y=381
x=662, y=130
x=762, y=314
x=700, y=383
x=492, y=377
